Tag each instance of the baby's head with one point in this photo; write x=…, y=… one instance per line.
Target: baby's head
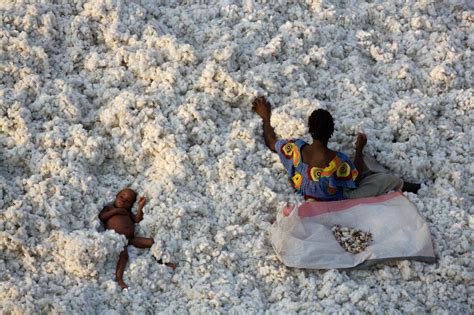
x=125, y=198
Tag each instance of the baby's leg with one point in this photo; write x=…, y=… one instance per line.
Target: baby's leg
x=122, y=262
x=145, y=242
x=141, y=242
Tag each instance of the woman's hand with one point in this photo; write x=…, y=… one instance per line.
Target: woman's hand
x=361, y=141
x=262, y=107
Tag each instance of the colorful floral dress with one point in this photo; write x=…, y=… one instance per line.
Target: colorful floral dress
x=323, y=184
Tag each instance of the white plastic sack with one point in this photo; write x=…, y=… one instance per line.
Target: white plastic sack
x=302, y=236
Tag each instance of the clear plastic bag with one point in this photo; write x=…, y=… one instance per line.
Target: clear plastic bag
x=302, y=236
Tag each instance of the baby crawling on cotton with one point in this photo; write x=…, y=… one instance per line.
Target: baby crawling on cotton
x=118, y=217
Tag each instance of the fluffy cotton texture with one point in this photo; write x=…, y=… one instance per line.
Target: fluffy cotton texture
x=99, y=95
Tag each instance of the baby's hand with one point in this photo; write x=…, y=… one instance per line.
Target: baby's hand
x=141, y=202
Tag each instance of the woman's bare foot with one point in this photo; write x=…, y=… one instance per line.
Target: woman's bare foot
x=410, y=187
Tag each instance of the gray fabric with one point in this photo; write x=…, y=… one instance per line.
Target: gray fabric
x=374, y=185
x=372, y=165
x=375, y=181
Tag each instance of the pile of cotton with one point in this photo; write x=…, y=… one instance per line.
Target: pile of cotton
x=100, y=95
x=82, y=253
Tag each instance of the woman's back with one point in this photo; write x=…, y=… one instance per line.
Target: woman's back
x=313, y=180
x=319, y=157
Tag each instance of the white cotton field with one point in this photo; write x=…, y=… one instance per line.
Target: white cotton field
x=99, y=95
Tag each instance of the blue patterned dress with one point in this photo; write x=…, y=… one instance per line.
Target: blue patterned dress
x=322, y=184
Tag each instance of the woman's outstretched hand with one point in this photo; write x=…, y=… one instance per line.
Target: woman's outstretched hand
x=262, y=107
x=361, y=141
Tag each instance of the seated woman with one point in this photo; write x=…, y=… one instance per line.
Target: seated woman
x=319, y=173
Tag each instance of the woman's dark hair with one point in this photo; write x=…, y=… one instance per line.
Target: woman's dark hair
x=321, y=125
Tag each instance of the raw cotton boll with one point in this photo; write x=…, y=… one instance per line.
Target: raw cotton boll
x=405, y=270
x=215, y=81
x=318, y=56
x=271, y=49
x=48, y=164
x=293, y=117
x=402, y=114
x=220, y=237
x=380, y=54
x=5, y=196
x=470, y=41
x=249, y=5
x=223, y=54
x=97, y=9
x=121, y=112
x=198, y=155
x=169, y=162
x=152, y=134
x=83, y=252
x=94, y=150
x=442, y=74
x=404, y=77
x=140, y=267
x=91, y=148
x=94, y=61
x=16, y=125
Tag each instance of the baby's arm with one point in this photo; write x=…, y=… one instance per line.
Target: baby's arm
x=109, y=212
x=139, y=216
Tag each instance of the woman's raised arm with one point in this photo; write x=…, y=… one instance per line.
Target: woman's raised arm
x=358, y=159
x=263, y=108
